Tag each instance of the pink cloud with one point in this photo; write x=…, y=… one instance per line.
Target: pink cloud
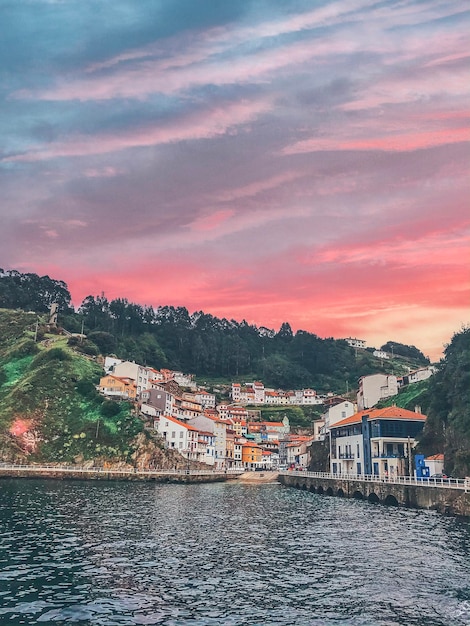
x=258, y=186
x=212, y=221
x=405, y=142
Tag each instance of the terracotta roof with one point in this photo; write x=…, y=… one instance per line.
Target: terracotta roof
x=389, y=412
x=179, y=422
x=435, y=457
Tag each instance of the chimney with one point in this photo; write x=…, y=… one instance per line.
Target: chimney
x=417, y=408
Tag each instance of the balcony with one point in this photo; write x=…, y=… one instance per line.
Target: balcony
x=388, y=455
x=346, y=456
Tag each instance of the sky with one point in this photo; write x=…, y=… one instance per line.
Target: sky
x=300, y=161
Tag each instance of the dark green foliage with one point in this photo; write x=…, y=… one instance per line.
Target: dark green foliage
x=88, y=347
x=211, y=347
x=105, y=341
x=400, y=349
x=447, y=428
x=31, y=292
x=27, y=347
x=87, y=390
x=299, y=417
x=109, y=408
x=54, y=354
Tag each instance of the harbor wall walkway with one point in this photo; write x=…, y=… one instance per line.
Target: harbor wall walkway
x=95, y=473
x=450, y=497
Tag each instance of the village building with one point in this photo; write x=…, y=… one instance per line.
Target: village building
x=206, y=447
x=252, y=455
x=117, y=387
x=218, y=428
x=179, y=436
x=374, y=388
x=376, y=441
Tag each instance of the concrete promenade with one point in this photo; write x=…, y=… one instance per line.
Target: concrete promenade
x=448, y=496
x=64, y=472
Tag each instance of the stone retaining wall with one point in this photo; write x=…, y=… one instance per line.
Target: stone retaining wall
x=442, y=499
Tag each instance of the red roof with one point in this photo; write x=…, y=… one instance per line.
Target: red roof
x=435, y=457
x=389, y=412
x=180, y=423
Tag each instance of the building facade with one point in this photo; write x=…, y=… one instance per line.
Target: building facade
x=378, y=442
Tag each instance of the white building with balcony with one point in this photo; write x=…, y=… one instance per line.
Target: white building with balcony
x=378, y=442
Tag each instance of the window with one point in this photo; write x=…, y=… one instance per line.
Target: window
x=358, y=455
x=173, y=434
x=181, y=435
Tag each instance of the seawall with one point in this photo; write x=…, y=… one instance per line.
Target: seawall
x=71, y=473
x=444, y=499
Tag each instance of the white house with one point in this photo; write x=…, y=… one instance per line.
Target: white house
x=374, y=388
x=110, y=363
x=138, y=373
x=416, y=376
x=184, y=380
x=205, y=399
x=338, y=412
x=435, y=464
x=157, y=402
x=381, y=354
x=178, y=436
x=219, y=429
x=356, y=343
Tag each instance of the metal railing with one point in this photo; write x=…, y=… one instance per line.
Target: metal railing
x=452, y=483
x=6, y=467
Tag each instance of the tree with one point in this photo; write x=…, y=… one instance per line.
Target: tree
x=447, y=427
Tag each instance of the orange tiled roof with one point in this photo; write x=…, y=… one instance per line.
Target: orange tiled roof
x=389, y=412
x=179, y=422
x=435, y=457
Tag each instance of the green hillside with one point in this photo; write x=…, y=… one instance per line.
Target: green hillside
x=410, y=396
x=50, y=410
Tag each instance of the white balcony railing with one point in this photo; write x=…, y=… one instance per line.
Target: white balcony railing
x=453, y=483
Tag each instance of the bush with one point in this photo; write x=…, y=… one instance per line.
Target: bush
x=87, y=389
x=109, y=408
x=54, y=354
x=27, y=348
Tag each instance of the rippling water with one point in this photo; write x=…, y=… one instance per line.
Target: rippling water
x=224, y=554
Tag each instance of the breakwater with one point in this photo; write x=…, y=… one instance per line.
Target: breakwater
x=451, y=497
x=98, y=473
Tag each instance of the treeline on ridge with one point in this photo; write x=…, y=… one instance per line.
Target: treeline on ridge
x=199, y=343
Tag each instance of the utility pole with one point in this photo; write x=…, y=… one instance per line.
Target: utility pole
x=36, y=331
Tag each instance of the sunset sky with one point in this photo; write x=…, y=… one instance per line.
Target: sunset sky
x=300, y=161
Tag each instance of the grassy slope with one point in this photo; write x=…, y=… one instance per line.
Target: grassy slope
x=409, y=397
x=49, y=408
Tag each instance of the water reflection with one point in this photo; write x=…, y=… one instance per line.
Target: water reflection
x=121, y=553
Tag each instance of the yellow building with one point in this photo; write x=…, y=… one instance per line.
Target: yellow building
x=117, y=387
